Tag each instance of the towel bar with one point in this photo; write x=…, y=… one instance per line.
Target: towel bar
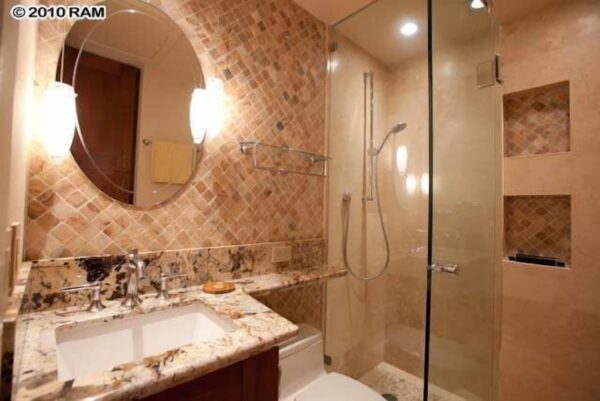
x=312, y=158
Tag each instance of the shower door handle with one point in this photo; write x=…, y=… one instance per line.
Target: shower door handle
x=451, y=268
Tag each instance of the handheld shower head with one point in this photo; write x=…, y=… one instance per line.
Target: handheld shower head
x=395, y=129
x=398, y=127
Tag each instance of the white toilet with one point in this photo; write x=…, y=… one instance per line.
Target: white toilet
x=303, y=376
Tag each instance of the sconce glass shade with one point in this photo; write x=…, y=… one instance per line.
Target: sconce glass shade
x=206, y=110
x=217, y=104
x=198, y=115
x=59, y=117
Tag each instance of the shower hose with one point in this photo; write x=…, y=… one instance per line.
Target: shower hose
x=346, y=223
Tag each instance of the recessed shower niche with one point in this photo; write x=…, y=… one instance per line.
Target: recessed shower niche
x=537, y=121
x=537, y=229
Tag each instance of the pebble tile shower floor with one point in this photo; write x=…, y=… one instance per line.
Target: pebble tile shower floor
x=388, y=380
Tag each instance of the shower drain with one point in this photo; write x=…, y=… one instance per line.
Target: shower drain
x=389, y=397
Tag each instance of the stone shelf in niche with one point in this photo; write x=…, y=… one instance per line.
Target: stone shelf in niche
x=538, y=225
x=537, y=121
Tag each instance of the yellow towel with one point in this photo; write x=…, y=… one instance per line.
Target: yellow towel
x=172, y=162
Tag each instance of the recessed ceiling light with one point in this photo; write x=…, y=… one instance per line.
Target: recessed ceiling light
x=409, y=29
x=477, y=4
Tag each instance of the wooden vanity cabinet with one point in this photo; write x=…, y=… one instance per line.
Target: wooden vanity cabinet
x=254, y=379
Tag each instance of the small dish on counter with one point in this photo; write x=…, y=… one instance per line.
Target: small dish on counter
x=218, y=287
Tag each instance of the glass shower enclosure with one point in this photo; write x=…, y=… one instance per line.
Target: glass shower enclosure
x=412, y=199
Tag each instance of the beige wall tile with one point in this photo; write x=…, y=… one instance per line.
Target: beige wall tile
x=551, y=318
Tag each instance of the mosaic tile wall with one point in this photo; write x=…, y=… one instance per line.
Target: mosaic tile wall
x=298, y=305
x=271, y=56
x=536, y=121
x=538, y=225
x=48, y=277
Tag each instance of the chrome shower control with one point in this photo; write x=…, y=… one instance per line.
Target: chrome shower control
x=451, y=268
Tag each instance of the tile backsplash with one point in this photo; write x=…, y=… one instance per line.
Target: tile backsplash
x=536, y=121
x=271, y=57
x=538, y=225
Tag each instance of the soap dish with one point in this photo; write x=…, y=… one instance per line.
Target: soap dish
x=218, y=287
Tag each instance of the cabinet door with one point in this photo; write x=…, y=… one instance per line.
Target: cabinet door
x=222, y=385
x=254, y=379
x=261, y=377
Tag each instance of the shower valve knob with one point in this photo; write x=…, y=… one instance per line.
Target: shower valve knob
x=451, y=268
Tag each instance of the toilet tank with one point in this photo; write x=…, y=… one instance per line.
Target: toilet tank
x=300, y=361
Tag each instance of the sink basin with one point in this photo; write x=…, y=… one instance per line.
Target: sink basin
x=82, y=351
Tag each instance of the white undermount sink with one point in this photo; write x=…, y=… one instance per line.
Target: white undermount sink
x=82, y=351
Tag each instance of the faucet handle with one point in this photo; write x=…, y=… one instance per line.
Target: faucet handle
x=135, y=261
x=133, y=256
x=163, y=293
x=96, y=301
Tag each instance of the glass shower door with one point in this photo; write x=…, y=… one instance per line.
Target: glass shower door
x=461, y=357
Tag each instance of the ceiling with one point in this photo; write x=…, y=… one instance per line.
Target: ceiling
x=332, y=11
x=376, y=30
x=509, y=10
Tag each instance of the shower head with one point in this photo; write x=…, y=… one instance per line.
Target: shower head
x=398, y=127
x=395, y=129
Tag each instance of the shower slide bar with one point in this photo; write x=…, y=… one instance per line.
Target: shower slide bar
x=368, y=93
x=313, y=158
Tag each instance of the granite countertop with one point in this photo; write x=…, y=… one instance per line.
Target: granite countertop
x=264, y=283
x=258, y=329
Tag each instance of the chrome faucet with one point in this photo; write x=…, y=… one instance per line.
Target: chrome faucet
x=135, y=271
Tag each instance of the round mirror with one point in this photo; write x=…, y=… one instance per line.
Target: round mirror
x=134, y=74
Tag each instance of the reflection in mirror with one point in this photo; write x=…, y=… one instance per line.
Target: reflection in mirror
x=134, y=74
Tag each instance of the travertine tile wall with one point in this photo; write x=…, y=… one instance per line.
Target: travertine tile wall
x=551, y=317
x=538, y=225
x=536, y=121
x=271, y=56
x=299, y=305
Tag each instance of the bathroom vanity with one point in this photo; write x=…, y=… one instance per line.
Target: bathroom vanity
x=190, y=346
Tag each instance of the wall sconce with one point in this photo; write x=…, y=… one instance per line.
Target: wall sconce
x=59, y=117
x=401, y=160
x=206, y=110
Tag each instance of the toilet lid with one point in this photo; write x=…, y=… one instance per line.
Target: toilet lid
x=336, y=387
